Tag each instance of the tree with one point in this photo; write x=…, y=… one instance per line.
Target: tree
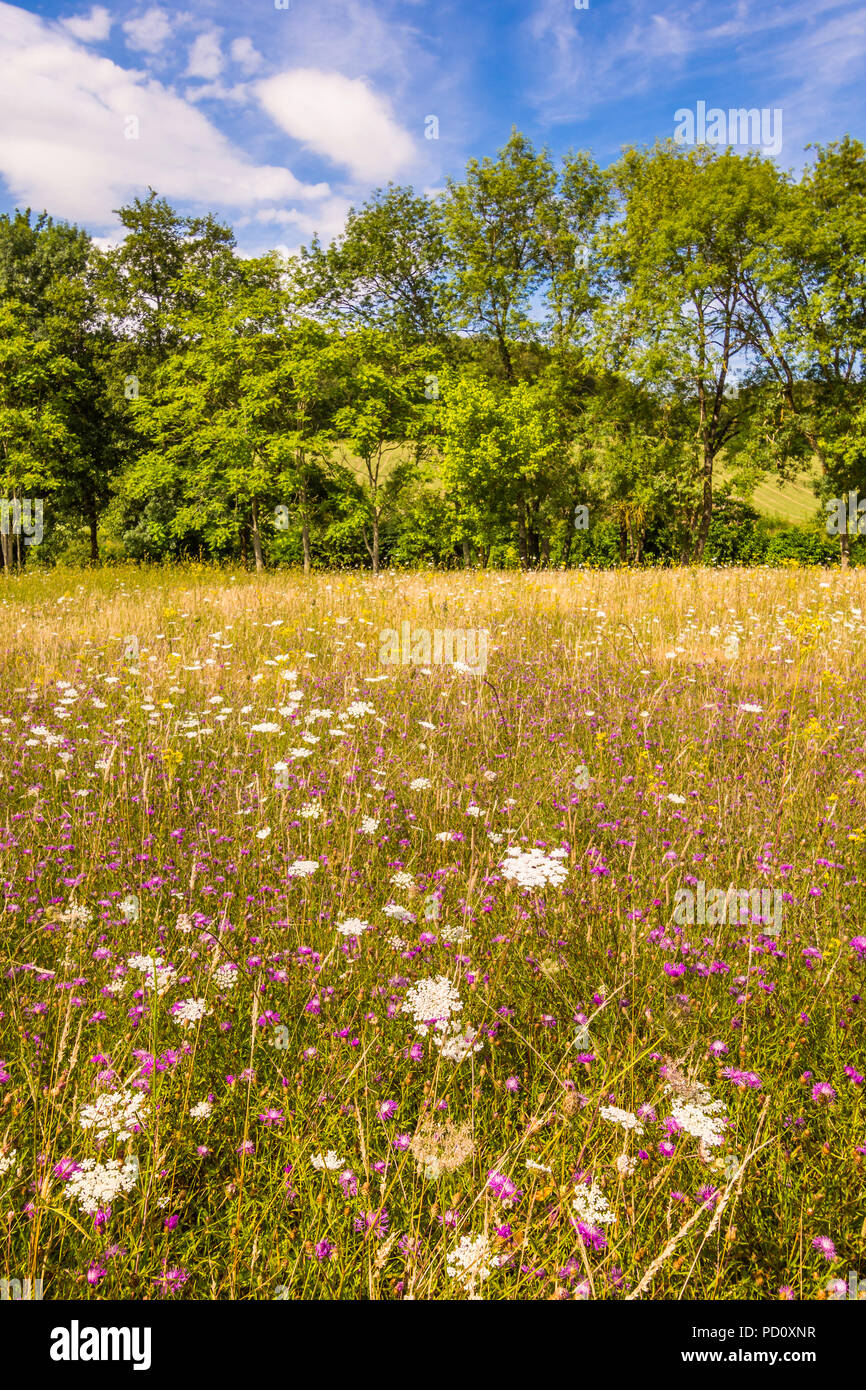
x=680, y=253
x=210, y=440
x=386, y=270
x=384, y=419
x=492, y=224
x=803, y=312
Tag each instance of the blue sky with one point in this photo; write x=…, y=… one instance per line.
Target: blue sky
x=279, y=120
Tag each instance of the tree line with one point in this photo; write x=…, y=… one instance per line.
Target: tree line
x=454, y=375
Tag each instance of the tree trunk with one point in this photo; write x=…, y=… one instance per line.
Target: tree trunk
x=257, y=539
x=623, y=538
x=706, y=513
x=375, y=541
x=522, y=538
x=545, y=550
x=92, y=521
x=467, y=554
x=845, y=546
x=243, y=545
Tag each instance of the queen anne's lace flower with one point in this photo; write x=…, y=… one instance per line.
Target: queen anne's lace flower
x=328, y=1160
x=189, y=1011
x=97, y=1185
x=302, y=868
x=532, y=868
x=591, y=1205
x=157, y=975
x=115, y=1112
x=471, y=1262
x=615, y=1116
x=352, y=926
x=432, y=1002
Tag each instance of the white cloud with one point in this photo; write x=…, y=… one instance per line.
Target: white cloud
x=149, y=32
x=205, y=57
x=64, y=110
x=338, y=117
x=92, y=27
x=246, y=55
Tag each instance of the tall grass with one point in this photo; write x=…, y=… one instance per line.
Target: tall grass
x=146, y=815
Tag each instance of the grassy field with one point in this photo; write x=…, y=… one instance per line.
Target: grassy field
x=330, y=978
x=794, y=503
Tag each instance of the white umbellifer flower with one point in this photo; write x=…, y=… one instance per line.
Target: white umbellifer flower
x=189, y=1011
x=591, y=1205
x=474, y=810
x=226, y=976
x=538, y=1167
x=625, y=1166
x=328, y=1160
x=201, y=1111
x=263, y=833
x=752, y=709
x=615, y=1116
x=677, y=800
x=311, y=810
x=314, y=714
x=302, y=868
x=7, y=1163
x=432, y=1002
x=76, y=915
x=115, y=1112
x=401, y=913
x=397, y=943
x=369, y=826
x=300, y=752
x=420, y=784
x=130, y=908
x=445, y=835
x=532, y=868
x=264, y=728
x=471, y=1262
x=402, y=880
x=183, y=923
x=358, y=708
x=352, y=926
x=456, y=934
x=97, y=1185
x=703, y=1118
x=157, y=975
x=457, y=1045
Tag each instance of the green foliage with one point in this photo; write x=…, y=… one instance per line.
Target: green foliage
x=450, y=378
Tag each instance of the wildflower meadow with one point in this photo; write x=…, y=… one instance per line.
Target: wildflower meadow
x=328, y=976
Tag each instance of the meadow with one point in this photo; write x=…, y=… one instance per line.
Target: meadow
x=327, y=978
